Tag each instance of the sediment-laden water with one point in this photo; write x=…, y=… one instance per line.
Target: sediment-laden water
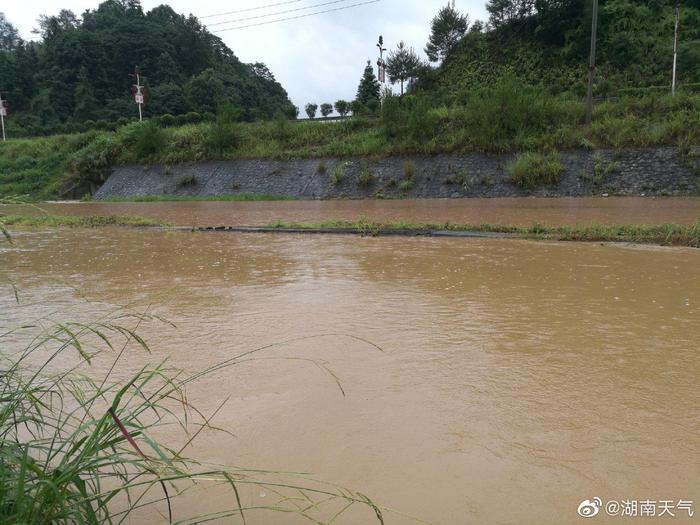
x=517, y=378
x=512, y=211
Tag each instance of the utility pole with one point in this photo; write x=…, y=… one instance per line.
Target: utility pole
x=381, y=66
x=675, y=46
x=591, y=64
x=3, y=114
x=138, y=91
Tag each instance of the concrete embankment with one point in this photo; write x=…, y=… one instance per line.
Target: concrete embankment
x=653, y=171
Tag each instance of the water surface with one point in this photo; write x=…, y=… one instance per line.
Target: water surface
x=513, y=211
x=517, y=378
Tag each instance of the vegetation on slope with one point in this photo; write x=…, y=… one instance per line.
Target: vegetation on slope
x=76, y=77
x=546, y=43
x=507, y=117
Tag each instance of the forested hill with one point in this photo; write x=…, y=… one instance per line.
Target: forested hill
x=546, y=42
x=79, y=71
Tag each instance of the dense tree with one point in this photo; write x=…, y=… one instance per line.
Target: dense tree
x=326, y=109
x=342, y=107
x=80, y=68
x=446, y=29
x=9, y=37
x=546, y=42
x=505, y=11
x=368, y=90
x=311, y=109
x=402, y=65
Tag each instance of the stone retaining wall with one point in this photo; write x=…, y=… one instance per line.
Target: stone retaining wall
x=657, y=171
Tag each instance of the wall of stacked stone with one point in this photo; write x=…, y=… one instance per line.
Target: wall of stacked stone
x=653, y=171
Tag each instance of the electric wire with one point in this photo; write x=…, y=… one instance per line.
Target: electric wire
x=277, y=13
x=295, y=17
x=251, y=9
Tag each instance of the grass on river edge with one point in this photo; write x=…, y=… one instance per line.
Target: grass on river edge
x=661, y=234
x=76, y=221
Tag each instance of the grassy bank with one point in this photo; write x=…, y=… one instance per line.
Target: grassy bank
x=77, y=221
x=662, y=234
x=503, y=118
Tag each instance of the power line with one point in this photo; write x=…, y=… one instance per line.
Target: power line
x=277, y=13
x=252, y=9
x=296, y=17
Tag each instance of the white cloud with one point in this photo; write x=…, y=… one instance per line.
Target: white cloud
x=317, y=59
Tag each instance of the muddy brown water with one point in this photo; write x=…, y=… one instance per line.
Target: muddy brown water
x=517, y=378
x=515, y=211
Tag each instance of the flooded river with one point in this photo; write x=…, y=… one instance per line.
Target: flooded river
x=517, y=378
x=515, y=211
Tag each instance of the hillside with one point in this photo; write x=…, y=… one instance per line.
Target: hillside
x=79, y=70
x=548, y=45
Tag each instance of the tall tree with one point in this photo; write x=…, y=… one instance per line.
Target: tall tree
x=79, y=70
x=447, y=28
x=9, y=37
x=342, y=107
x=402, y=65
x=503, y=12
x=326, y=109
x=311, y=109
x=368, y=89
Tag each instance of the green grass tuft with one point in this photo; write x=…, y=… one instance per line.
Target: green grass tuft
x=531, y=170
x=338, y=173
x=79, y=448
x=409, y=170
x=364, y=177
x=77, y=221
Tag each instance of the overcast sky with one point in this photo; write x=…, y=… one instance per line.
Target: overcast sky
x=316, y=59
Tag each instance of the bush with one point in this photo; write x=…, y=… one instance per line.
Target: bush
x=187, y=181
x=96, y=158
x=148, y=138
x=338, y=173
x=409, y=169
x=281, y=130
x=530, y=170
x=406, y=185
x=364, y=177
x=410, y=119
x=223, y=132
x=501, y=117
x=192, y=118
x=167, y=120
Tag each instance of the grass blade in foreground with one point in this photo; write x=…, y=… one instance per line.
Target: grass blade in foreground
x=77, y=450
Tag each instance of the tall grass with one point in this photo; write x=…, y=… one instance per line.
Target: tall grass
x=76, y=449
x=530, y=170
